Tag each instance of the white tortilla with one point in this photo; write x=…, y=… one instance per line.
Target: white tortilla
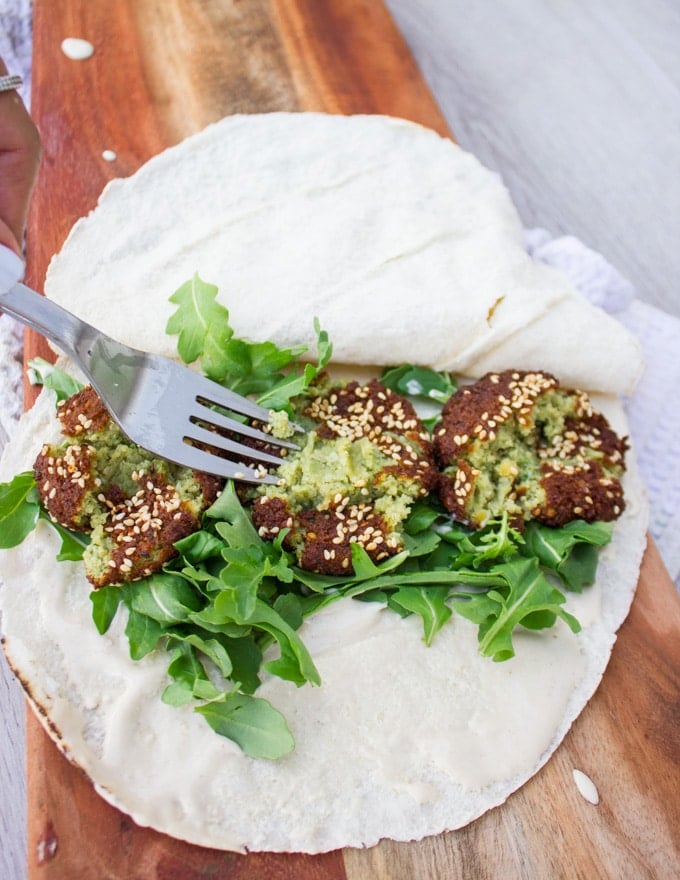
x=400, y=741
x=401, y=243
x=405, y=248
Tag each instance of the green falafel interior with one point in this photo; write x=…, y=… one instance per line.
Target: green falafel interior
x=364, y=511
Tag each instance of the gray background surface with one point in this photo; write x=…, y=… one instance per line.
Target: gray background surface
x=576, y=103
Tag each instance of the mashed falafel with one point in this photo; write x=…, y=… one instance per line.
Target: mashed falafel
x=366, y=459
x=133, y=506
x=517, y=441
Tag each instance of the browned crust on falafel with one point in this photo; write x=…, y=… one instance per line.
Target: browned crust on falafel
x=579, y=468
x=474, y=412
x=82, y=412
x=322, y=537
x=139, y=529
x=143, y=528
x=325, y=537
x=64, y=479
x=579, y=493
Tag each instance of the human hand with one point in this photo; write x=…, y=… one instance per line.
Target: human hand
x=19, y=160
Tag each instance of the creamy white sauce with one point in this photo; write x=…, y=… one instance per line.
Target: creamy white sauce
x=399, y=741
x=77, y=49
x=109, y=155
x=586, y=787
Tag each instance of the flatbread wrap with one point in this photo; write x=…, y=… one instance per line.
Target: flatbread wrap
x=395, y=237
x=401, y=740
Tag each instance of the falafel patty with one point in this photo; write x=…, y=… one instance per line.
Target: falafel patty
x=517, y=441
x=133, y=506
x=366, y=459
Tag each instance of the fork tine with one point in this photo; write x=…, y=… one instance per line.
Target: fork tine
x=199, y=434
x=211, y=416
x=212, y=392
x=209, y=463
x=142, y=390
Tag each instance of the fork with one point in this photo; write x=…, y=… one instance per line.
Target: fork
x=160, y=405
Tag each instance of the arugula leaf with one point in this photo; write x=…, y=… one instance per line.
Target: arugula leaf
x=105, y=604
x=429, y=603
x=246, y=660
x=496, y=540
x=236, y=527
x=189, y=678
x=365, y=568
x=212, y=620
x=419, y=382
x=143, y=634
x=250, y=560
x=251, y=722
x=422, y=544
x=165, y=598
x=211, y=648
x=295, y=663
x=571, y=551
x=254, y=367
x=290, y=608
x=202, y=325
x=73, y=544
x=198, y=546
x=295, y=384
x=423, y=516
x=42, y=372
x=498, y=612
x=19, y=509
x=247, y=568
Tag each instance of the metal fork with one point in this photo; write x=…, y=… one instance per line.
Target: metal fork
x=160, y=405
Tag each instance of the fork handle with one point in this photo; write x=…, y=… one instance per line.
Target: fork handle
x=62, y=328
x=11, y=268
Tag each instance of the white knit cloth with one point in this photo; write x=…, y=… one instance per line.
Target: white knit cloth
x=654, y=409
x=15, y=40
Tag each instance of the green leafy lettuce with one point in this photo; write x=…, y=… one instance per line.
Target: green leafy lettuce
x=19, y=509
x=42, y=372
x=262, y=368
x=419, y=382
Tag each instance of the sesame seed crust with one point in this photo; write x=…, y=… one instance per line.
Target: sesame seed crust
x=322, y=536
x=387, y=419
x=82, y=412
x=518, y=441
x=475, y=412
x=581, y=493
x=64, y=479
x=134, y=510
x=139, y=531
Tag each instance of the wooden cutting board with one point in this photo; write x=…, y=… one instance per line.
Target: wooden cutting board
x=160, y=71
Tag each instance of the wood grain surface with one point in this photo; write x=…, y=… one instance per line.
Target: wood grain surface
x=161, y=71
